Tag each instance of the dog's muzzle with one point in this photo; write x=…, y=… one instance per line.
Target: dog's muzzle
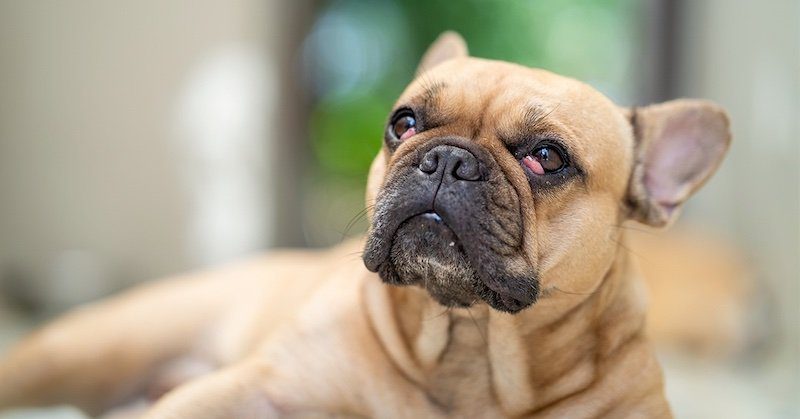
x=441, y=223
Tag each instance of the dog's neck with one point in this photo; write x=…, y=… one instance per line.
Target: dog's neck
x=532, y=361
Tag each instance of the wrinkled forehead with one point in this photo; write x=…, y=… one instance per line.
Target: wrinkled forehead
x=493, y=100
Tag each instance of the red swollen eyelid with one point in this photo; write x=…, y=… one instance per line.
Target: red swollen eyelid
x=409, y=132
x=533, y=164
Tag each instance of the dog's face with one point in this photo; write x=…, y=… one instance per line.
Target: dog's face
x=499, y=183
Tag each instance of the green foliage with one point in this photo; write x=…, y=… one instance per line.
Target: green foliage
x=589, y=40
x=346, y=133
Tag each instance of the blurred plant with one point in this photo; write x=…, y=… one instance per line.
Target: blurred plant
x=360, y=55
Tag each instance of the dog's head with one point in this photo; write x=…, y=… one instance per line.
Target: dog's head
x=497, y=182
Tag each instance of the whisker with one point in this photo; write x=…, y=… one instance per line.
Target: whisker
x=356, y=253
x=572, y=292
x=541, y=118
x=478, y=328
x=352, y=256
x=619, y=244
x=445, y=311
x=631, y=228
x=355, y=219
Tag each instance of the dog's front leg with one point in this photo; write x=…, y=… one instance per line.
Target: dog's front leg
x=104, y=354
x=247, y=390
x=233, y=392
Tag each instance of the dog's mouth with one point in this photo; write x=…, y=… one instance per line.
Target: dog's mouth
x=460, y=239
x=425, y=251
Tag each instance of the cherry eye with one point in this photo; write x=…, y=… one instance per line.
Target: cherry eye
x=546, y=159
x=404, y=125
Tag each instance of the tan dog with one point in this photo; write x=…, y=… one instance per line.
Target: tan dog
x=715, y=321
x=498, y=196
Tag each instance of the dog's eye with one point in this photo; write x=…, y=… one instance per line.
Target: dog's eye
x=545, y=159
x=404, y=124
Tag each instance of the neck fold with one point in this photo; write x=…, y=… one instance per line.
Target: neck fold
x=530, y=360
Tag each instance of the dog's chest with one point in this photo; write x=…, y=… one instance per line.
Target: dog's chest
x=461, y=380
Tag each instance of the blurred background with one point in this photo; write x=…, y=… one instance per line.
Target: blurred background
x=144, y=138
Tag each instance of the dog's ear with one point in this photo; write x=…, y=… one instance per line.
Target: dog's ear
x=678, y=146
x=447, y=46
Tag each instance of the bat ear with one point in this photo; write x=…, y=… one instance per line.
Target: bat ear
x=678, y=145
x=447, y=46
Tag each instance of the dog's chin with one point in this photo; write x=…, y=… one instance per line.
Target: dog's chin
x=427, y=253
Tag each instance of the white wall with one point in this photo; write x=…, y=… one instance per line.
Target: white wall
x=746, y=56
x=132, y=138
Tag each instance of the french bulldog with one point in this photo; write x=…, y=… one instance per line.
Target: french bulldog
x=495, y=279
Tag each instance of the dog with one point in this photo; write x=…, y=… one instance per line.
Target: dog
x=494, y=280
x=726, y=315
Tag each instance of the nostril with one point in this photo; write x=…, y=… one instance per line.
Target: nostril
x=454, y=163
x=466, y=170
x=455, y=169
x=429, y=163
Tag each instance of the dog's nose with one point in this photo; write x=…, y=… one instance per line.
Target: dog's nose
x=457, y=163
